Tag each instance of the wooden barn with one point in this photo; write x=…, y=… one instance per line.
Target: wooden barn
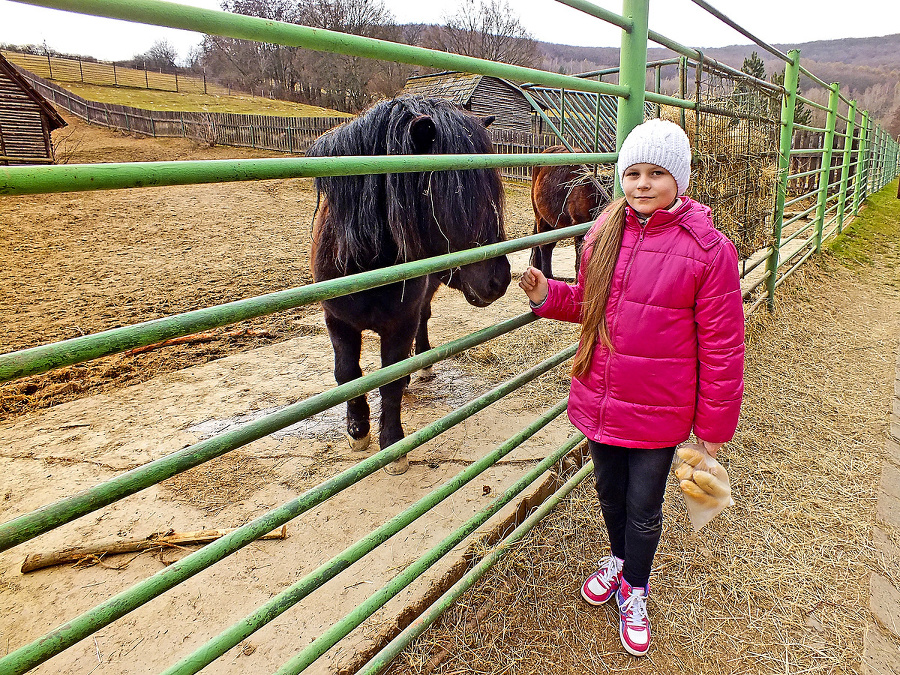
x=26, y=120
x=481, y=94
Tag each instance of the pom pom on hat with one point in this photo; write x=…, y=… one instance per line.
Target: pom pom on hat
x=662, y=143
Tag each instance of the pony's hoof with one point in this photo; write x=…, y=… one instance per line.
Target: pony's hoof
x=398, y=466
x=426, y=374
x=358, y=444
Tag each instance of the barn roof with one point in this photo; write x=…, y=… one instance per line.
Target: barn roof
x=54, y=118
x=453, y=86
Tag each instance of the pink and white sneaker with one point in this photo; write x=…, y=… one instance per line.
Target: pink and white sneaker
x=634, y=624
x=602, y=584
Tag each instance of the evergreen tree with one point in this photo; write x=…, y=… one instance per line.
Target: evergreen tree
x=754, y=66
x=802, y=115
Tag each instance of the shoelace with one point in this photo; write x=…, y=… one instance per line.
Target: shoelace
x=609, y=572
x=635, y=610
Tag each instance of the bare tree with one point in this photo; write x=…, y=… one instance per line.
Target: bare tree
x=331, y=80
x=161, y=56
x=489, y=30
x=351, y=82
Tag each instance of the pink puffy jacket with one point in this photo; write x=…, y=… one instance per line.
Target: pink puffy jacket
x=676, y=319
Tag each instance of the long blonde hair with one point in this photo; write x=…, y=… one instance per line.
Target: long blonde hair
x=598, y=275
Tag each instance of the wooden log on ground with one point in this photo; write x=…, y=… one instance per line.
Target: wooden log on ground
x=197, y=338
x=160, y=540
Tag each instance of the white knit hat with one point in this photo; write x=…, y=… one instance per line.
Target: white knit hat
x=658, y=142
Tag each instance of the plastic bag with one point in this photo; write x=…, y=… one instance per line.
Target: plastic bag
x=704, y=483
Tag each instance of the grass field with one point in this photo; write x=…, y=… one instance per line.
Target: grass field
x=105, y=83
x=151, y=99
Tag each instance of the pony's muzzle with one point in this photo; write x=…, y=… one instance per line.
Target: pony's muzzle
x=484, y=282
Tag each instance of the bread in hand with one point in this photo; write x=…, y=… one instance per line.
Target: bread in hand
x=709, y=483
x=700, y=496
x=691, y=455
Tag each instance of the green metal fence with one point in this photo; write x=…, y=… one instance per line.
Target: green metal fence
x=856, y=159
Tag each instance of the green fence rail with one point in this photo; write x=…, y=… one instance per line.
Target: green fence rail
x=856, y=158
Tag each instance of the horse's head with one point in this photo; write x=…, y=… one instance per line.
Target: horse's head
x=459, y=209
x=408, y=216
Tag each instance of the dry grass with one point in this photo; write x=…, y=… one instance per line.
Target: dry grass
x=152, y=99
x=779, y=583
x=507, y=356
x=220, y=482
x=733, y=172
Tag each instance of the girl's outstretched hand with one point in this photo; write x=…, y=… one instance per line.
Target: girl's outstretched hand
x=535, y=285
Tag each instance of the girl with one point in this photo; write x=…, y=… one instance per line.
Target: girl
x=661, y=353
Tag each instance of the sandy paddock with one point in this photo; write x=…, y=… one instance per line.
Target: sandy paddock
x=85, y=262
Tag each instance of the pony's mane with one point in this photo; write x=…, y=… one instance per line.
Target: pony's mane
x=379, y=219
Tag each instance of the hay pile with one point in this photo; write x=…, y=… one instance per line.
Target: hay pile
x=734, y=172
x=508, y=355
x=779, y=583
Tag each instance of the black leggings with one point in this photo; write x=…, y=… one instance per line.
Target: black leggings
x=631, y=483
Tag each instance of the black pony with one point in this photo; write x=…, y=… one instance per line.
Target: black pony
x=372, y=221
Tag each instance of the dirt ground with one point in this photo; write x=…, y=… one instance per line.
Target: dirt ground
x=86, y=262
x=81, y=263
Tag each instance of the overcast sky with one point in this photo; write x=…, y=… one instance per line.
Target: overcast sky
x=774, y=21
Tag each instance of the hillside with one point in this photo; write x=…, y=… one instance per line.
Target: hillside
x=880, y=54
x=868, y=69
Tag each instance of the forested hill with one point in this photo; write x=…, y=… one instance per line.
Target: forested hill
x=868, y=69
x=878, y=53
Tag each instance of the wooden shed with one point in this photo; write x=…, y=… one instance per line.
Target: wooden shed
x=26, y=120
x=481, y=94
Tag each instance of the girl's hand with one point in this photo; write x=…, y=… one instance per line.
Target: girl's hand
x=711, y=448
x=535, y=285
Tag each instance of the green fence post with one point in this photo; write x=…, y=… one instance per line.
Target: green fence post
x=597, y=123
x=845, y=168
x=632, y=71
x=658, y=90
x=870, y=154
x=860, y=163
x=791, y=75
x=562, y=112
x=873, y=162
x=825, y=172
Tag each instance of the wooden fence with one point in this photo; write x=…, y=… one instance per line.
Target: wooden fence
x=110, y=75
x=282, y=134
x=510, y=142
x=266, y=132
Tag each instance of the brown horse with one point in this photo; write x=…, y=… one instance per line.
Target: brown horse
x=562, y=196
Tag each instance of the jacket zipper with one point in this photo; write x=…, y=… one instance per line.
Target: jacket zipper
x=634, y=252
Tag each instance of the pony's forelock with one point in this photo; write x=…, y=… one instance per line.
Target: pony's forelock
x=406, y=216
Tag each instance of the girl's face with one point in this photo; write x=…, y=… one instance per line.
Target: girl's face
x=648, y=188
